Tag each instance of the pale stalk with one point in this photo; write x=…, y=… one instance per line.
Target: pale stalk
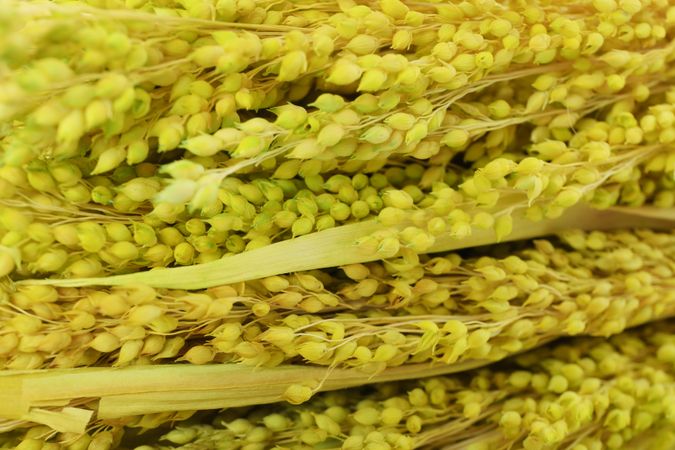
x=338, y=246
x=57, y=397
x=152, y=389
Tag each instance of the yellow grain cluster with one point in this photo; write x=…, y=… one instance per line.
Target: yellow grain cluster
x=210, y=204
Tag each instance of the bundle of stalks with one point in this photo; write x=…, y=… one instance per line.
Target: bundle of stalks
x=210, y=204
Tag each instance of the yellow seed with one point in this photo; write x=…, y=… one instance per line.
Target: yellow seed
x=455, y=138
x=503, y=226
x=129, y=351
x=124, y=250
x=322, y=45
x=110, y=159
x=204, y=145
x=464, y=62
x=199, y=354
x=353, y=443
x=402, y=40
x=568, y=197
x=666, y=353
x=50, y=261
x=105, y=342
x=7, y=263
x=84, y=268
x=207, y=56
x=279, y=336
x=293, y=65
x=367, y=416
x=385, y=353
x=328, y=103
x=484, y=60
x=362, y=44
x=171, y=348
x=8, y=342
x=312, y=351
x=144, y=314
x=391, y=416
x=414, y=424
x=372, y=80
x=394, y=8
x=92, y=236
x=344, y=72
x=499, y=27
x=180, y=435
x=153, y=345
x=356, y=272
x=111, y=305
x=42, y=181
x=331, y=134
x=290, y=116
x=296, y=394
x=436, y=226
x=71, y=127
x=276, y=422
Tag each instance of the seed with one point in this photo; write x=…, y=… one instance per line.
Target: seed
x=129, y=351
x=51, y=261
x=144, y=314
x=84, y=268
x=7, y=264
x=105, y=342
x=344, y=72
x=124, y=250
x=92, y=236
x=110, y=159
x=297, y=394
x=367, y=416
x=199, y=354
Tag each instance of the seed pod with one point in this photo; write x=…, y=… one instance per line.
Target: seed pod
x=297, y=394
x=204, y=145
x=377, y=134
x=331, y=134
x=7, y=264
x=71, y=127
x=51, y=261
x=199, y=354
x=184, y=253
x=144, y=314
x=306, y=149
x=110, y=159
x=329, y=103
x=105, y=342
x=124, y=250
x=178, y=192
x=65, y=174
x=249, y=147
x=344, y=72
x=91, y=236
x=290, y=116
x=362, y=44
x=567, y=197
x=129, y=351
x=41, y=180
x=293, y=65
